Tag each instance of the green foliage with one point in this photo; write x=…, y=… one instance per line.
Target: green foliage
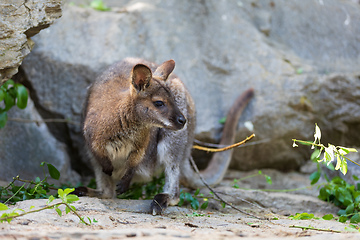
x=222, y=120
x=35, y=190
x=345, y=196
x=11, y=94
x=267, y=178
x=145, y=191
x=337, y=191
x=329, y=153
x=193, y=200
x=195, y=214
x=99, y=5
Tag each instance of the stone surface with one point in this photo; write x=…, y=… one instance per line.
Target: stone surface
x=20, y=20
x=128, y=218
x=23, y=146
x=300, y=57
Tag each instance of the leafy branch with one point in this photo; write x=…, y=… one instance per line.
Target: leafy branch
x=330, y=153
x=35, y=190
x=11, y=94
x=65, y=197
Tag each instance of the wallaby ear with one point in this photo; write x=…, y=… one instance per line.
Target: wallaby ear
x=141, y=76
x=164, y=70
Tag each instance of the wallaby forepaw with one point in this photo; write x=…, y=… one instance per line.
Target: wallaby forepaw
x=160, y=203
x=81, y=191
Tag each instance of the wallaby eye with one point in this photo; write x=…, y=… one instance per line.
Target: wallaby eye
x=159, y=103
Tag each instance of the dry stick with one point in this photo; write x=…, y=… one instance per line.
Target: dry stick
x=217, y=195
x=214, y=145
x=55, y=120
x=316, y=229
x=224, y=148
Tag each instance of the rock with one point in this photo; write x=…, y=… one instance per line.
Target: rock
x=24, y=145
x=221, y=48
x=20, y=20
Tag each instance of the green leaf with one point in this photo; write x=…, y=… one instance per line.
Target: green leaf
x=268, y=179
x=68, y=190
x=355, y=218
x=2, y=94
x=3, y=207
x=51, y=198
x=222, y=120
x=67, y=210
x=342, y=219
x=3, y=119
x=195, y=204
x=223, y=204
x=350, y=209
x=61, y=193
x=303, y=216
x=72, y=198
x=204, y=205
x=182, y=198
x=344, y=150
x=197, y=192
x=328, y=217
x=188, y=197
x=315, y=155
x=99, y=5
x=9, y=101
x=343, y=167
x=54, y=173
x=8, y=82
x=314, y=177
x=355, y=177
x=22, y=96
x=58, y=211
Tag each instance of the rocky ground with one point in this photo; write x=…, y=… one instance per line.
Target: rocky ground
x=118, y=219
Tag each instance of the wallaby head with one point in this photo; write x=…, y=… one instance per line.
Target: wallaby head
x=153, y=101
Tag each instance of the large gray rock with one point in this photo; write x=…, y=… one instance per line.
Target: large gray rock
x=20, y=20
x=24, y=145
x=302, y=65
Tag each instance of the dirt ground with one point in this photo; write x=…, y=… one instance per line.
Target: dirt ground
x=119, y=219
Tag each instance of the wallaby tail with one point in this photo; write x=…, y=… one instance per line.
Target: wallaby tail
x=219, y=163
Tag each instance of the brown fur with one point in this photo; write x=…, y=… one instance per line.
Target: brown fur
x=131, y=138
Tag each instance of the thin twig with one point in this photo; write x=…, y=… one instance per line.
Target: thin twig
x=225, y=148
x=54, y=120
x=316, y=229
x=31, y=182
x=217, y=195
x=44, y=208
x=214, y=145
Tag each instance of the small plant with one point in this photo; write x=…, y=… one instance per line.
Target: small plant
x=145, y=191
x=337, y=191
x=344, y=196
x=99, y=5
x=36, y=190
x=330, y=153
x=66, y=199
x=11, y=94
x=267, y=178
x=30, y=189
x=186, y=197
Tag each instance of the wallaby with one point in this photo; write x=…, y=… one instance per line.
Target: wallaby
x=140, y=121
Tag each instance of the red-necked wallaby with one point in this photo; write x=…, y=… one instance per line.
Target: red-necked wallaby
x=140, y=121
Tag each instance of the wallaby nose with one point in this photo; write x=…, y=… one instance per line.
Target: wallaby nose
x=181, y=120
